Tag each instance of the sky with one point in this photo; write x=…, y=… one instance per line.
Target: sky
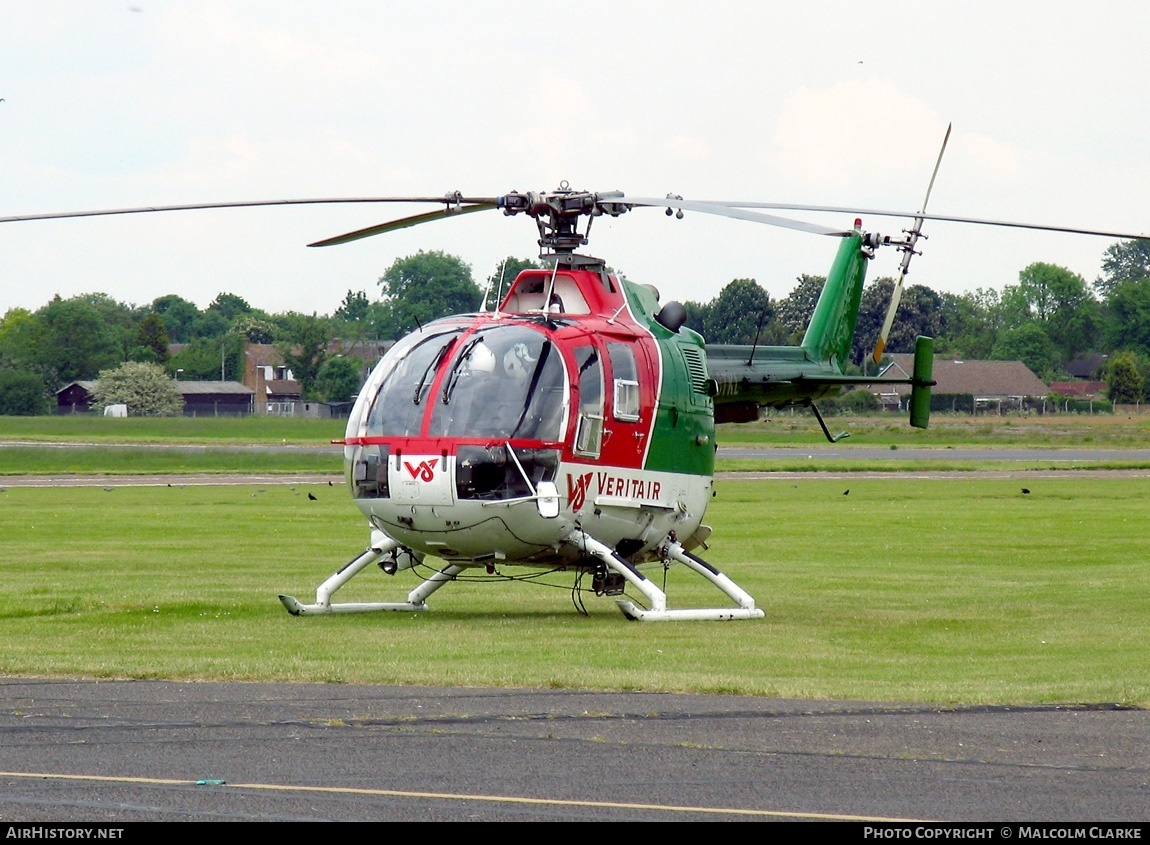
x=127, y=103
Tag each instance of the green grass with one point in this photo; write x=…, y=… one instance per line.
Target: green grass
x=781, y=429
x=117, y=459
x=221, y=443
x=939, y=591
x=91, y=428
x=1103, y=431
x=816, y=463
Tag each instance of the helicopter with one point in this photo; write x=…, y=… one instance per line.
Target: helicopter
x=571, y=427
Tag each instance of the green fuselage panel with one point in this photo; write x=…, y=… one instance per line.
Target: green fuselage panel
x=683, y=436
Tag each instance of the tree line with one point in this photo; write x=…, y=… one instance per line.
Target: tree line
x=1047, y=318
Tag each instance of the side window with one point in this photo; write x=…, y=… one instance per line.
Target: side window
x=589, y=430
x=626, y=379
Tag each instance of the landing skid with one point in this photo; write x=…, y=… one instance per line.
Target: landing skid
x=657, y=599
x=381, y=548
x=384, y=547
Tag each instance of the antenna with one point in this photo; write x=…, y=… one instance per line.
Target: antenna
x=487, y=290
x=758, y=331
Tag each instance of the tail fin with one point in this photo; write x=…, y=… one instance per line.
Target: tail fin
x=832, y=327
x=921, y=383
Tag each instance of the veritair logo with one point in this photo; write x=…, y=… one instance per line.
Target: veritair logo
x=615, y=486
x=577, y=489
x=424, y=470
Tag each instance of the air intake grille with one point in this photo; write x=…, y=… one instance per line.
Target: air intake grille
x=696, y=368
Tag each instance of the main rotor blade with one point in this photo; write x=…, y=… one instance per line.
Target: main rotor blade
x=736, y=211
x=404, y=223
x=946, y=218
x=247, y=204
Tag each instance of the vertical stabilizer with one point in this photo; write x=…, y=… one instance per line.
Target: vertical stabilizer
x=832, y=327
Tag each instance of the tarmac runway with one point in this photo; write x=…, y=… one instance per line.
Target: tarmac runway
x=108, y=752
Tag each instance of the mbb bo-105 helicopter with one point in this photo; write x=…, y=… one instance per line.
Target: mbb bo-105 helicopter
x=572, y=428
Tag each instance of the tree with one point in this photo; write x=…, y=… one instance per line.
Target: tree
x=794, y=312
x=145, y=388
x=338, y=379
x=1125, y=261
x=74, y=340
x=697, y=315
x=304, y=347
x=1125, y=380
x=1059, y=301
x=152, y=339
x=1029, y=344
x=230, y=306
x=179, y=316
x=253, y=329
x=18, y=332
x=969, y=324
x=502, y=276
x=919, y=313
x=354, y=307
x=741, y=312
x=210, y=359
x=1128, y=316
x=424, y=287
x=22, y=394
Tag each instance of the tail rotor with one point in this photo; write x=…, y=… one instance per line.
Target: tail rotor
x=907, y=248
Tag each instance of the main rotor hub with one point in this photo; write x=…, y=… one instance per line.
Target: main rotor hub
x=557, y=214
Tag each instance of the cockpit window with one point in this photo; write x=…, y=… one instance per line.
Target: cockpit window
x=503, y=382
x=401, y=402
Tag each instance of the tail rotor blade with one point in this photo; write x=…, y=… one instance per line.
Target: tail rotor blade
x=912, y=236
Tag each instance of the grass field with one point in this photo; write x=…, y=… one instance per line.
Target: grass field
x=255, y=429
x=940, y=591
x=783, y=428
x=139, y=446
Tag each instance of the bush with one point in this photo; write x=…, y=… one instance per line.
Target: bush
x=146, y=389
x=852, y=403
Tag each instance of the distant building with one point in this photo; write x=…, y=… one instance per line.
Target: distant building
x=201, y=398
x=75, y=398
x=1079, y=389
x=1087, y=366
x=215, y=398
x=992, y=385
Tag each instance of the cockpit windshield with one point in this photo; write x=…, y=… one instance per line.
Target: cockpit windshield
x=503, y=382
x=410, y=367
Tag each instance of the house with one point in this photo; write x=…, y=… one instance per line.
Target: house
x=1079, y=389
x=215, y=398
x=991, y=385
x=75, y=398
x=272, y=382
x=1087, y=366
